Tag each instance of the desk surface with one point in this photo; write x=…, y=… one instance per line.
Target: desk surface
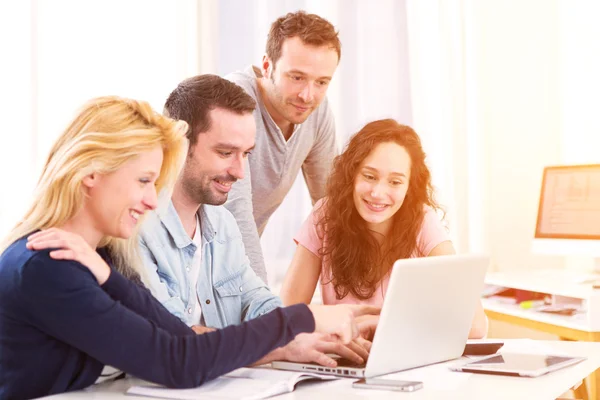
x=439, y=382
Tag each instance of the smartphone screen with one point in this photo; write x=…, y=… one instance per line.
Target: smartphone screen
x=388, y=384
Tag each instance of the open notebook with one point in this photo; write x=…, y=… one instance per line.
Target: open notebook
x=243, y=383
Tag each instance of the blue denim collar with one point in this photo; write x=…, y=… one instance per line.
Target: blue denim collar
x=172, y=222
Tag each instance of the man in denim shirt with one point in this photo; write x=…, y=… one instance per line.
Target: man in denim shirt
x=194, y=259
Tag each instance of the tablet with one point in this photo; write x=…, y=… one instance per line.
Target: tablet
x=518, y=364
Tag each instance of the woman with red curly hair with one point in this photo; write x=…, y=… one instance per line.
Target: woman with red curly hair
x=379, y=208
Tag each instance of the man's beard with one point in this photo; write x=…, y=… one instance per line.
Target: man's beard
x=205, y=193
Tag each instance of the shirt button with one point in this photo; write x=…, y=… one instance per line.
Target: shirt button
x=207, y=301
x=187, y=269
x=240, y=288
x=189, y=310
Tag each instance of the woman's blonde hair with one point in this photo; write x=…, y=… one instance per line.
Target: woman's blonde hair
x=107, y=132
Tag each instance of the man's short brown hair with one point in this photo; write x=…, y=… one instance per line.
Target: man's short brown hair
x=194, y=98
x=310, y=28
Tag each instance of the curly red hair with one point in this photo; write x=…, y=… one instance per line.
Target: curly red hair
x=358, y=261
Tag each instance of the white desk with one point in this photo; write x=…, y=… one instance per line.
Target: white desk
x=439, y=381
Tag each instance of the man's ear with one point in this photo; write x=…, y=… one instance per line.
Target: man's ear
x=90, y=180
x=266, y=67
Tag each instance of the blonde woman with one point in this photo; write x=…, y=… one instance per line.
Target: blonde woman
x=65, y=313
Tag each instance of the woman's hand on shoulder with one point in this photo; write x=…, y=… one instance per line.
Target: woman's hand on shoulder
x=70, y=246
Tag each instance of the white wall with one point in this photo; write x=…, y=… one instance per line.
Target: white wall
x=579, y=48
x=537, y=72
x=580, y=98
x=519, y=118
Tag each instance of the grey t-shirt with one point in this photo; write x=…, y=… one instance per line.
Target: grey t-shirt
x=274, y=165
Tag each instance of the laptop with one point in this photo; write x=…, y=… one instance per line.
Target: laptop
x=425, y=319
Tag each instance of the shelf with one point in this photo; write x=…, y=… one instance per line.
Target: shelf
x=558, y=282
x=577, y=321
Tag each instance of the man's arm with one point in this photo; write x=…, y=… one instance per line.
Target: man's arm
x=239, y=203
x=317, y=166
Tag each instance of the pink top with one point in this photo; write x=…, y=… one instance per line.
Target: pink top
x=431, y=234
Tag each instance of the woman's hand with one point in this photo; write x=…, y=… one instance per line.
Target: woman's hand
x=318, y=348
x=199, y=329
x=340, y=319
x=70, y=246
x=368, y=325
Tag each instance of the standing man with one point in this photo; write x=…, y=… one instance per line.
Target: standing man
x=193, y=256
x=294, y=123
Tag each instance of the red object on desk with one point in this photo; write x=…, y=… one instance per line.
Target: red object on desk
x=525, y=295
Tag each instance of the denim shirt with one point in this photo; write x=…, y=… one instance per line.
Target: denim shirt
x=229, y=290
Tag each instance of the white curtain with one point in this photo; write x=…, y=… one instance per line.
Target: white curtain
x=500, y=90
x=468, y=74
x=17, y=90
x=495, y=89
x=444, y=85
x=60, y=53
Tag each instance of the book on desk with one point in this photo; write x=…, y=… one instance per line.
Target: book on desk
x=243, y=383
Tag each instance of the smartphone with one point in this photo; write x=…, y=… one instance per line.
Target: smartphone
x=388, y=384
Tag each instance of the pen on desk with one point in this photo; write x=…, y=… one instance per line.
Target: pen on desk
x=527, y=304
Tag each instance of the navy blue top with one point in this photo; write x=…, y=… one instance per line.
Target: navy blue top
x=58, y=328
